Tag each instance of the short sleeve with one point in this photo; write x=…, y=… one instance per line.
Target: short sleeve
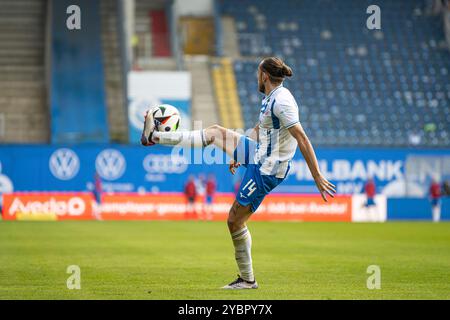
x=287, y=114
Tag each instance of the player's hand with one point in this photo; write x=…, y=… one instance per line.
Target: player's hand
x=233, y=165
x=325, y=187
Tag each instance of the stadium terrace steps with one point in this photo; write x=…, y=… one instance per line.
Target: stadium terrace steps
x=230, y=38
x=157, y=64
x=6, y=35
x=142, y=30
x=114, y=82
x=23, y=102
x=226, y=94
x=203, y=104
x=10, y=74
x=33, y=92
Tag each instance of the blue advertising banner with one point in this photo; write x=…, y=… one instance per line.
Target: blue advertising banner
x=159, y=168
x=415, y=209
x=396, y=172
x=121, y=168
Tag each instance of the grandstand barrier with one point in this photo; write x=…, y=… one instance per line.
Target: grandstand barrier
x=167, y=206
x=56, y=206
x=126, y=168
x=132, y=173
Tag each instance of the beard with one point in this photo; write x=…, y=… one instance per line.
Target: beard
x=262, y=87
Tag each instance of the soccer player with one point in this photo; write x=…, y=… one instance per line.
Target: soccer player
x=190, y=191
x=435, y=197
x=370, y=190
x=210, y=192
x=266, y=153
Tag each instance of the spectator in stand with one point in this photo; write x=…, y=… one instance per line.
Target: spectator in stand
x=371, y=206
x=210, y=192
x=435, y=197
x=190, y=191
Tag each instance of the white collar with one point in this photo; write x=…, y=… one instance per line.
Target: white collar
x=273, y=90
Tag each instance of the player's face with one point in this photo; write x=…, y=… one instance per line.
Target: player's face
x=261, y=85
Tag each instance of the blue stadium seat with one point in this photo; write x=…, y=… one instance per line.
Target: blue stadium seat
x=355, y=86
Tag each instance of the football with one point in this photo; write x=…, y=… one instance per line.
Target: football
x=167, y=117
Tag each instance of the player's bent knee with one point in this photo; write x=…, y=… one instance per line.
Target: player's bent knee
x=233, y=224
x=231, y=221
x=210, y=132
x=235, y=221
x=214, y=132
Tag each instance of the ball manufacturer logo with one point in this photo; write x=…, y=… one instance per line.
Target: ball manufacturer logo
x=110, y=164
x=64, y=164
x=165, y=164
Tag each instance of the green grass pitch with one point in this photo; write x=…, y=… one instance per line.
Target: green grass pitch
x=192, y=260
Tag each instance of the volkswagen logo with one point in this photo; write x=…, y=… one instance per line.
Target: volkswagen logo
x=110, y=164
x=64, y=164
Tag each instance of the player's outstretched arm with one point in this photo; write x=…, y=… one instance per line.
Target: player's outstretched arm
x=325, y=187
x=254, y=132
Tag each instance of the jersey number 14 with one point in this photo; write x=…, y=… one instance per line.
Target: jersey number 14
x=250, y=186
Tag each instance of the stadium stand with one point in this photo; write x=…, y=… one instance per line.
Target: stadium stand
x=226, y=94
x=23, y=108
x=77, y=78
x=203, y=104
x=357, y=87
x=24, y=111
x=145, y=55
x=113, y=70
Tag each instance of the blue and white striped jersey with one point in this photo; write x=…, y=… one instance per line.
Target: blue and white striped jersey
x=276, y=145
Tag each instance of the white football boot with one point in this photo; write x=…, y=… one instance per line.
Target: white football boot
x=240, y=283
x=149, y=127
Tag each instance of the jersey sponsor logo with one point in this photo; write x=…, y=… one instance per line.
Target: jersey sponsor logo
x=64, y=164
x=110, y=164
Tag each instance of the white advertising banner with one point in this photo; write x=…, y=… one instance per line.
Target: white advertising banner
x=150, y=88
